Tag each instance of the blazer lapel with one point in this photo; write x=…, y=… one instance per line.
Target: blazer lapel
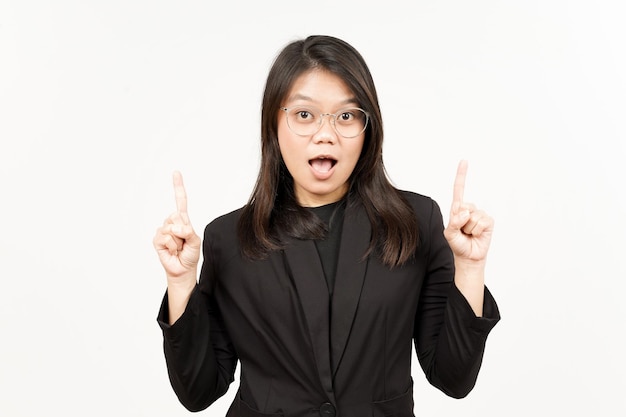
x=349, y=279
x=305, y=269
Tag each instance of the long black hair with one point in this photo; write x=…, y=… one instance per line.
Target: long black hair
x=273, y=209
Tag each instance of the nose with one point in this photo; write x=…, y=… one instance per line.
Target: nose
x=326, y=132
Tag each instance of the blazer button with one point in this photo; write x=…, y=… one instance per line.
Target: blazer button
x=327, y=410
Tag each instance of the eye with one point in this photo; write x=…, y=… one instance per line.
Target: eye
x=346, y=116
x=303, y=115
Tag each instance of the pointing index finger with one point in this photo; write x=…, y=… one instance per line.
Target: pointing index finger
x=179, y=193
x=459, y=182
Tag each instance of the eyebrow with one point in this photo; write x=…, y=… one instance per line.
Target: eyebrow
x=298, y=96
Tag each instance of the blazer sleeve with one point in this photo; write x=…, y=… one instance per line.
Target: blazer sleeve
x=200, y=358
x=449, y=338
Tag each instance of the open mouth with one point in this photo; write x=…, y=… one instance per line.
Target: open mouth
x=322, y=164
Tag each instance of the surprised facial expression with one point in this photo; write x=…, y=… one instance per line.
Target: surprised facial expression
x=321, y=162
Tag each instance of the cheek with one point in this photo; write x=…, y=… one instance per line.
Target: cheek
x=355, y=152
x=283, y=142
x=289, y=149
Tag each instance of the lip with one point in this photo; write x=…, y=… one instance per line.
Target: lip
x=323, y=175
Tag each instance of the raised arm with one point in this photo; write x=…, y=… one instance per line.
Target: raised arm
x=468, y=233
x=178, y=247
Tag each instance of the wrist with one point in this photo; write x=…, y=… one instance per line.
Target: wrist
x=182, y=284
x=469, y=278
x=469, y=274
x=178, y=295
x=469, y=265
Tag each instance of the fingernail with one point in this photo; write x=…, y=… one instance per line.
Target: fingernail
x=177, y=229
x=465, y=214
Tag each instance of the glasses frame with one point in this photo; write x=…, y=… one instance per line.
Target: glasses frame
x=333, y=119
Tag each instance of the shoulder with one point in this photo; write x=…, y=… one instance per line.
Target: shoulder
x=421, y=204
x=225, y=221
x=427, y=211
x=222, y=231
x=430, y=223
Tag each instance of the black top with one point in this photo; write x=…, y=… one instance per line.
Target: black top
x=328, y=247
x=298, y=349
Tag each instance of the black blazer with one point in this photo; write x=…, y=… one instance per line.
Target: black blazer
x=303, y=354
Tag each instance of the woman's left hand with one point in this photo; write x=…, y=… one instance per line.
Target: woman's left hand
x=469, y=229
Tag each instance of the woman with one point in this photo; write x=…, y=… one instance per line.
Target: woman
x=320, y=283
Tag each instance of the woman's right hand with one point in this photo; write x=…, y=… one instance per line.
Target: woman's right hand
x=178, y=247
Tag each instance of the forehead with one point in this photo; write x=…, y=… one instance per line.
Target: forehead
x=321, y=87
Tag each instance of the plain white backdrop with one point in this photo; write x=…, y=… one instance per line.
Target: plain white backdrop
x=101, y=101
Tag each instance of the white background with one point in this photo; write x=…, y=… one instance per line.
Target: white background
x=101, y=101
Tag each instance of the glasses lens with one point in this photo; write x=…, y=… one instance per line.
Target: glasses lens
x=303, y=121
x=351, y=122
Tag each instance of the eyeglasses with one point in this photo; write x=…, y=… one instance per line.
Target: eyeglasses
x=348, y=123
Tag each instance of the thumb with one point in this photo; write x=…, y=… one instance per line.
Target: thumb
x=186, y=232
x=193, y=240
x=458, y=219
